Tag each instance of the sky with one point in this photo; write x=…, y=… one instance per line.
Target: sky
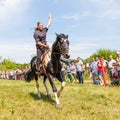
x=90, y=24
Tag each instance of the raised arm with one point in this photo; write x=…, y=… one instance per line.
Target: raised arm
x=49, y=21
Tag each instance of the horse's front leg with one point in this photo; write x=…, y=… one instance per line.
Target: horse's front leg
x=62, y=80
x=37, y=85
x=61, y=89
x=54, y=91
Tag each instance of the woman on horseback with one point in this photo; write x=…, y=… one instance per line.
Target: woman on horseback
x=40, y=39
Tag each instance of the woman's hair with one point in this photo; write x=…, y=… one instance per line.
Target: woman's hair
x=38, y=25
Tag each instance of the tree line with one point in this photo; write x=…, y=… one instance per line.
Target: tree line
x=6, y=64
x=105, y=53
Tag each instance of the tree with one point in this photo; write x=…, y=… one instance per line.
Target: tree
x=102, y=53
x=10, y=64
x=0, y=58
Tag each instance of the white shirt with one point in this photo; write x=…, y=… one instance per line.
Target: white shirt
x=110, y=63
x=79, y=65
x=94, y=67
x=118, y=67
x=73, y=69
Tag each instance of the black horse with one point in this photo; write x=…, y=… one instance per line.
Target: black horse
x=53, y=68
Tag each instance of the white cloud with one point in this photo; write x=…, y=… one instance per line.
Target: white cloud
x=86, y=13
x=113, y=14
x=76, y=16
x=72, y=16
x=107, y=8
x=18, y=51
x=82, y=46
x=101, y=8
x=11, y=9
x=55, y=1
x=86, y=46
x=83, y=50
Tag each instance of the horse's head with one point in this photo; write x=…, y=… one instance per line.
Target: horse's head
x=62, y=45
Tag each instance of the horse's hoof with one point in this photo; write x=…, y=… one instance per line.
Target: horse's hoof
x=59, y=106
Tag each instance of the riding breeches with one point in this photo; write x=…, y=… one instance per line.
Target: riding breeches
x=39, y=54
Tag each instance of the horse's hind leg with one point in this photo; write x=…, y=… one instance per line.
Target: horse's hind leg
x=47, y=90
x=37, y=85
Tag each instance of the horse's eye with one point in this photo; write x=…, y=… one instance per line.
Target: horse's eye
x=65, y=40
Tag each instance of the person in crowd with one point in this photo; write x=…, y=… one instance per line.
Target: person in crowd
x=79, y=70
x=11, y=74
x=111, y=67
x=72, y=68
x=94, y=69
x=102, y=63
x=87, y=68
x=100, y=72
x=40, y=39
x=118, y=63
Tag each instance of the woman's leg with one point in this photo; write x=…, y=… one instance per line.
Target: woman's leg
x=39, y=53
x=100, y=77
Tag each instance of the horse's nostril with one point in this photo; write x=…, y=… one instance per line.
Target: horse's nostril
x=67, y=55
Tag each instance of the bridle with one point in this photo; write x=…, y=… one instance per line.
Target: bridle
x=62, y=51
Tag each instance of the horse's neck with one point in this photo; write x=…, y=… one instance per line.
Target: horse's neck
x=55, y=57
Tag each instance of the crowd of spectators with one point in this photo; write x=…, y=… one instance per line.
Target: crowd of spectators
x=17, y=74
x=98, y=69
x=100, y=66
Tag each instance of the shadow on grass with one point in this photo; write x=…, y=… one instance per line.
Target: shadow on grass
x=43, y=97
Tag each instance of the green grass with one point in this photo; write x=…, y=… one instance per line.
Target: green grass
x=19, y=101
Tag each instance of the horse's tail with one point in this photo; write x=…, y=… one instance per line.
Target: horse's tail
x=29, y=75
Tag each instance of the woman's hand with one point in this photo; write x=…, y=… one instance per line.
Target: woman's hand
x=47, y=46
x=49, y=20
x=49, y=15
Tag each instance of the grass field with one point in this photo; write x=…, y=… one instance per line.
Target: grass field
x=19, y=101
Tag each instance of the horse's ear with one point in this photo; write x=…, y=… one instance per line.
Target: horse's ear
x=56, y=34
x=66, y=36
